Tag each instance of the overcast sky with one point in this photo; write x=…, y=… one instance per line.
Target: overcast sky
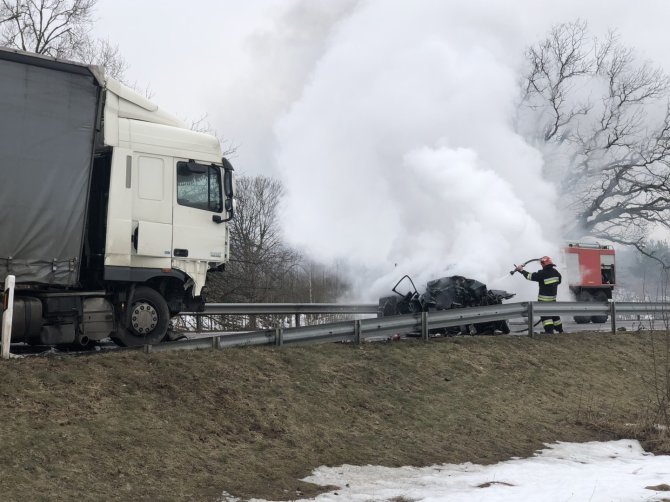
x=194, y=54
x=388, y=121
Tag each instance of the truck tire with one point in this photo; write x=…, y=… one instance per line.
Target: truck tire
x=600, y=296
x=148, y=321
x=584, y=296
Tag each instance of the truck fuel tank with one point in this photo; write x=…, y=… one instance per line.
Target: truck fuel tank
x=27, y=320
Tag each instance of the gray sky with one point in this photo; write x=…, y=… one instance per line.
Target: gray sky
x=194, y=55
x=388, y=121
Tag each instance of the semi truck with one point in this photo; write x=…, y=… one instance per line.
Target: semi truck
x=591, y=274
x=112, y=211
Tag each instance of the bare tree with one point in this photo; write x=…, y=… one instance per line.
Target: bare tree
x=202, y=124
x=57, y=28
x=644, y=276
x=5, y=14
x=259, y=259
x=50, y=27
x=262, y=267
x=603, y=121
x=102, y=53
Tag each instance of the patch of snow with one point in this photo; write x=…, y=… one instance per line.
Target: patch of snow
x=596, y=471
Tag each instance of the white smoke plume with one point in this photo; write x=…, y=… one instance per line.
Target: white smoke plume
x=400, y=157
x=392, y=133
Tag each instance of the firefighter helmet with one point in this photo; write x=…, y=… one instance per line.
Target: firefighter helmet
x=545, y=260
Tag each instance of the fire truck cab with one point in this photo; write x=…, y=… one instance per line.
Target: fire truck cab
x=591, y=274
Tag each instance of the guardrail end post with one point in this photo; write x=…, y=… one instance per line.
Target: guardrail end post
x=279, y=337
x=613, y=316
x=424, y=325
x=530, y=319
x=7, y=315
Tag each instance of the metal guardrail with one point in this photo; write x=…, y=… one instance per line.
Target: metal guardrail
x=298, y=310
x=288, y=308
x=421, y=323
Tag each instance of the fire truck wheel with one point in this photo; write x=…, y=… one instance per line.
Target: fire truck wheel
x=602, y=298
x=583, y=319
x=146, y=323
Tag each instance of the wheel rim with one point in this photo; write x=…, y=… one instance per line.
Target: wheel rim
x=144, y=318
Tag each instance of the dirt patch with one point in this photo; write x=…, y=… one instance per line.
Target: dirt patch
x=252, y=422
x=659, y=488
x=493, y=483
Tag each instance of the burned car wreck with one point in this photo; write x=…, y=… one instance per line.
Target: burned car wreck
x=446, y=293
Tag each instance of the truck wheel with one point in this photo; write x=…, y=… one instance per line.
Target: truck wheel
x=583, y=319
x=148, y=320
x=599, y=319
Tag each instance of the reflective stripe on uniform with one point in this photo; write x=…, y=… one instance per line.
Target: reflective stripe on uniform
x=528, y=275
x=548, y=322
x=551, y=280
x=558, y=323
x=545, y=298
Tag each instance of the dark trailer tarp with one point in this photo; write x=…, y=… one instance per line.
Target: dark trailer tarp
x=48, y=117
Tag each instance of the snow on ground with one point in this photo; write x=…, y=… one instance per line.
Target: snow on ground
x=610, y=471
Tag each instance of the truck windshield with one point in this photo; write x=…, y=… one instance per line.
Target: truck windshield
x=199, y=186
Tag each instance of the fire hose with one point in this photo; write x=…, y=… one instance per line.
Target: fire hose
x=523, y=265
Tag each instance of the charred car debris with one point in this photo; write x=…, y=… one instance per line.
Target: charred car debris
x=446, y=293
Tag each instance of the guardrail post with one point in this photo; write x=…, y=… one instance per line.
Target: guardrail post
x=613, y=316
x=530, y=319
x=297, y=320
x=198, y=323
x=279, y=337
x=424, y=325
x=357, y=331
x=216, y=342
x=7, y=315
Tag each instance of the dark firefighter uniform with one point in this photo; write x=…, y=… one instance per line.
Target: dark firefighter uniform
x=549, y=278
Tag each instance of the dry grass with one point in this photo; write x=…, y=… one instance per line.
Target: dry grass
x=650, y=423
x=252, y=422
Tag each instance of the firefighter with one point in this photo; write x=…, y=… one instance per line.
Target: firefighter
x=549, y=279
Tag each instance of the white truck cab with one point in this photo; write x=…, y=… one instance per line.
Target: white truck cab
x=117, y=212
x=166, y=191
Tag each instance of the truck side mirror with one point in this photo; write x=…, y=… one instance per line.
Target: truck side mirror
x=228, y=189
x=227, y=178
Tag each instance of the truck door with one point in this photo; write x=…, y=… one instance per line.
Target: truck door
x=152, y=211
x=199, y=232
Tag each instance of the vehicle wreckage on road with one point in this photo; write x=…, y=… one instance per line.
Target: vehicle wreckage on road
x=447, y=293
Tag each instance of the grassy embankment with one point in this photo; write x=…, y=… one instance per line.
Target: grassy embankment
x=189, y=425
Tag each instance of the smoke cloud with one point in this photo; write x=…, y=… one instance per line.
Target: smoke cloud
x=393, y=135
x=400, y=157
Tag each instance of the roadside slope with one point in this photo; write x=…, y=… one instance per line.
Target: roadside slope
x=189, y=425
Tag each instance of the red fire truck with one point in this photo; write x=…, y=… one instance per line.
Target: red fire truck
x=590, y=274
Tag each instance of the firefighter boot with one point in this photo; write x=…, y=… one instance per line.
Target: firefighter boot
x=548, y=330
